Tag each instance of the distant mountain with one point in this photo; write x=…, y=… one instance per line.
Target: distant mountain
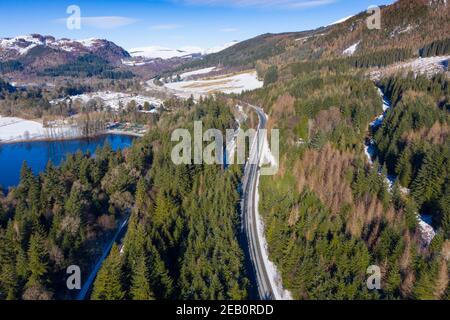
x=154, y=52
x=220, y=48
x=36, y=52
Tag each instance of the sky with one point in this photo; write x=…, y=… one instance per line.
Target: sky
x=172, y=23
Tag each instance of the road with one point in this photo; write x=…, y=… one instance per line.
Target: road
x=87, y=286
x=249, y=214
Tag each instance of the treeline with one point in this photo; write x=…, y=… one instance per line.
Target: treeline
x=380, y=59
x=328, y=213
x=435, y=48
x=414, y=142
x=88, y=65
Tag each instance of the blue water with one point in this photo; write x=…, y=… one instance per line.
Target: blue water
x=37, y=154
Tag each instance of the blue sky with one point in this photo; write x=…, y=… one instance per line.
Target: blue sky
x=173, y=23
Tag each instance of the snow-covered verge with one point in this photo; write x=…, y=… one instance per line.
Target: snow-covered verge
x=14, y=129
x=273, y=273
x=116, y=100
x=232, y=83
x=426, y=230
x=154, y=52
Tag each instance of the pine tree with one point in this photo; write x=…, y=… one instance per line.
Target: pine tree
x=108, y=284
x=444, y=205
x=428, y=183
x=404, y=169
x=25, y=174
x=140, y=287
x=142, y=201
x=9, y=281
x=37, y=261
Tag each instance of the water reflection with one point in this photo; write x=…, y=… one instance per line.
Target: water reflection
x=37, y=154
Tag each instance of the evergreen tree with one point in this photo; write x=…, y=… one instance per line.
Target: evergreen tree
x=140, y=287
x=427, y=185
x=404, y=169
x=108, y=284
x=271, y=75
x=444, y=205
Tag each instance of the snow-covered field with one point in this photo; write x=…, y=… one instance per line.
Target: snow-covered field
x=197, y=72
x=428, y=66
x=234, y=83
x=136, y=63
x=15, y=129
x=115, y=100
x=153, y=52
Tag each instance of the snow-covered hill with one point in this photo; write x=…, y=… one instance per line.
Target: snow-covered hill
x=155, y=52
x=17, y=47
x=220, y=48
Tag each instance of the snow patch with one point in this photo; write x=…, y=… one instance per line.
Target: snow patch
x=115, y=100
x=233, y=83
x=427, y=66
x=220, y=48
x=426, y=230
x=154, y=52
x=14, y=129
x=197, y=72
x=386, y=106
x=352, y=49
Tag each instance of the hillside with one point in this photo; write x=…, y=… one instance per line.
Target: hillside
x=28, y=55
x=364, y=168
x=406, y=24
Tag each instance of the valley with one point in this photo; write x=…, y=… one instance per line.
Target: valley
x=360, y=177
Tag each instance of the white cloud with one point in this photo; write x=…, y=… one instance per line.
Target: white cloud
x=103, y=22
x=229, y=30
x=299, y=4
x=165, y=27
